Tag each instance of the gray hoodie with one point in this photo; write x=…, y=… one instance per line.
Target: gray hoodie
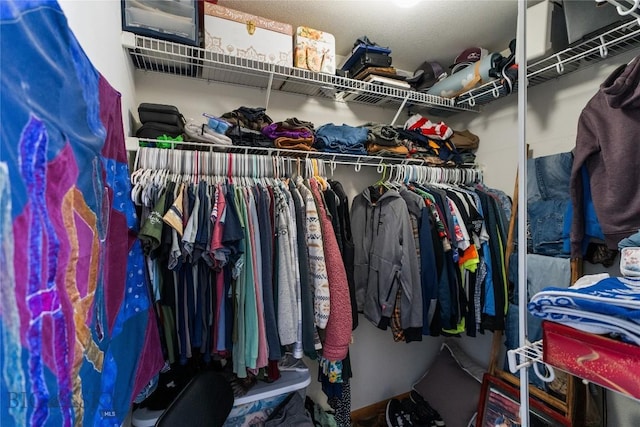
x=608, y=145
x=385, y=257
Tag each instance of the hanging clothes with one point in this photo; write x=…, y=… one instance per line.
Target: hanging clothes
x=344, y=225
x=338, y=331
x=253, y=264
x=460, y=280
x=385, y=259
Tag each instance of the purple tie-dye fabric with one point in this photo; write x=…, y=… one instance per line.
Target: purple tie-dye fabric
x=79, y=338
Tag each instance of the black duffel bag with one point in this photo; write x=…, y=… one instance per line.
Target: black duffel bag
x=160, y=113
x=158, y=120
x=152, y=130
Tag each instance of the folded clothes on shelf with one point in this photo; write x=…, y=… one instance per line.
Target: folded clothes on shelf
x=287, y=143
x=379, y=71
x=246, y=137
x=202, y=132
x=285, y=129
x=249, y=117
x=344, y=139
x=427, y=128
x=465, y=139
x=388, y=151
x=595, y=304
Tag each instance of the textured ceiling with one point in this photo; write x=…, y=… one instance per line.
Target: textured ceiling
x=435, y=30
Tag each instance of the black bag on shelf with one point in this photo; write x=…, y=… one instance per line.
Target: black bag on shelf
x=160, y=113
x=152, y=130
x=369, y=59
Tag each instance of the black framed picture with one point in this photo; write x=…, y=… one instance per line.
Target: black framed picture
x=178, y=21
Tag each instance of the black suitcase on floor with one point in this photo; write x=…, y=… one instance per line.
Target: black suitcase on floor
x=369, y=59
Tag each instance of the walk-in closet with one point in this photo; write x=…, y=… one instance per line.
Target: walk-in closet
x=320, y=246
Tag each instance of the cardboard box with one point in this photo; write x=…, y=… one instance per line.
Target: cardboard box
x=315, y=50
x=236, y=33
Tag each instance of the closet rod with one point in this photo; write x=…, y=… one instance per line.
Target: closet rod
x=331, y=158
x=182, y=161
x=224, y=164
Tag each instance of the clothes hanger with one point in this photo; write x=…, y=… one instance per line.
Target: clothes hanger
x=318, y=175
x=216, y=168
x=309, y=171
x=268, y=169
x=380, y=184
x=195, y=159
x=150, y=156
x=261, y=163
x=246, y=173
x=332, y=165
x=221, y=162
x=239, y=174
x=424, y=175
x=272, y=167
x=270, y=172
x=420, y=174
x=410, y=174
x=453, y=177
x=276, y=163
x=392, y=181
x=260, y=166
x=230, y=164
x=135, y=176
x=145, y=158
x=136, y=189
x=159, y=163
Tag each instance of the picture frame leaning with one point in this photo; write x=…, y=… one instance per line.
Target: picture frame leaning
x=499, y=406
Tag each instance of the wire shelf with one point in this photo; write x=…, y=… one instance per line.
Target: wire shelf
x=625, y=7
x=530, y=355
x=154, y=55
x=608, y=44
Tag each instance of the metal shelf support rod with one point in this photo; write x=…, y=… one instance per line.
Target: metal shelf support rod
x=269, y=86
x=404, y=102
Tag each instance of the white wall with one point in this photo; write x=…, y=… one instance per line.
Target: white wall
x=194, y=97
x=382, y=368
x=97, y=26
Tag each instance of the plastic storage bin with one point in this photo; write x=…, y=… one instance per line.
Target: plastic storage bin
x=250, y=409
x=176, y=21
x=254, y=407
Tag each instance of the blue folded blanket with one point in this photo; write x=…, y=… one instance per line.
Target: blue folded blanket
x=608, y=306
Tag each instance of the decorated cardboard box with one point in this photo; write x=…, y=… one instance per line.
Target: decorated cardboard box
x=315, y=50
x=236, y=33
